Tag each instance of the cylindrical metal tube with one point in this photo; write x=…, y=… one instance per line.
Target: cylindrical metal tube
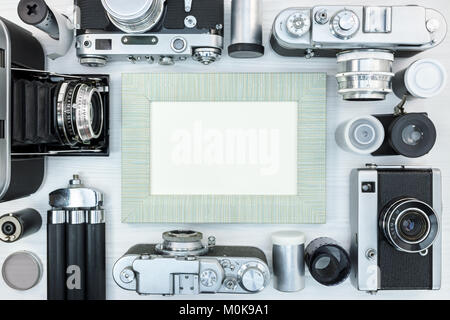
x=20, y=224
x=38, y=14
x=424, y=78
x=288, y=261
x=95, y=260
x=246, y=29
x=76, y=255
x=56, y=255
x=365, y=74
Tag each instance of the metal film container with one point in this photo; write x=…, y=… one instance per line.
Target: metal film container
x=361, y=135
x=136, y=16
x=365, y=75
x=424, y=78
x=288, y=260
x=20, y=224
x=246, y=29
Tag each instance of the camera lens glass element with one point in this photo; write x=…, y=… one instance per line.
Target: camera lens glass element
x=412, y=135
x=409, y=225
x=413, y=226
x=8, y=228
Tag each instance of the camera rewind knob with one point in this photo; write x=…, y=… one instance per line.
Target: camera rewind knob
x=298, y=24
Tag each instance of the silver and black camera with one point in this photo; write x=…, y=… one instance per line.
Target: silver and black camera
x=43, y=113
x=365, y=40
x=164, y=31
x=396, y=221
x=181, y=264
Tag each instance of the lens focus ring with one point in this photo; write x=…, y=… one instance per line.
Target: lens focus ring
x=79, y=113
x=409, y=225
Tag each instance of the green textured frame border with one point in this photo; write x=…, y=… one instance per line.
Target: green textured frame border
x=139, y=90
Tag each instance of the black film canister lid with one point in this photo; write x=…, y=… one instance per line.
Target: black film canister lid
x=328, y=263
x=32, y=12
x=421, y=124
x=245, y=50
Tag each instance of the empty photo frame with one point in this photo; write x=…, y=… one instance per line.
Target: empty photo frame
x=224, y=148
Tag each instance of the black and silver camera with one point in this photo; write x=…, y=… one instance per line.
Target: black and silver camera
x=183, y=265
x=364, y=39
x=396, y=221
x=164, y=31
x=44, y=114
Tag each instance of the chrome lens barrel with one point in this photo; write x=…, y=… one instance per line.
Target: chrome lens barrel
x=409, y=225
x=135, y=16
x=89, y=113
x=182, y=243
x=365, y=74
x=79, y=113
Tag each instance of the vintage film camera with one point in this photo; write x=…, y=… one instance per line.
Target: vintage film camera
x=44, y=113
x=164, y=31
x=396, y=221
x=365, y=40
x=183, y=265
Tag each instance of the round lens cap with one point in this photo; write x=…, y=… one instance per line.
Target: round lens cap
x=423, y=125
x=425, y=78
x=22, y=270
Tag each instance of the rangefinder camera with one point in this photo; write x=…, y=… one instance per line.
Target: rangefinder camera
x=183, y=265
x=396, y=222
x=364, y=39
x=163, y=31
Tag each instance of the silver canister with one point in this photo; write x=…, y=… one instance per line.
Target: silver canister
x=246, y=29
x=365, y=74
x=425, y=78
x=288, y=260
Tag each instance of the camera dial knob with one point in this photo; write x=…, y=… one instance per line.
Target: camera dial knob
x=252, y=277
x=345, y=24
x=208, y=278
x=298, y=24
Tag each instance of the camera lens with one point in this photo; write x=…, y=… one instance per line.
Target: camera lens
x=364, y=74
x=409, y=225
x=8, y=228
x=412, y=135
x=79, y=113
x=136, y=16
x=413, y=226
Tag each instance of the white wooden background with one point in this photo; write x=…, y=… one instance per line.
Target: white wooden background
x=104, y=173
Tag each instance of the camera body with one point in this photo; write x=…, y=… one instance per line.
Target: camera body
x=395, y=218
x=323, y=31
x=164, y=31
x=44, y=114
x=364, y=39
x=183, y=265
